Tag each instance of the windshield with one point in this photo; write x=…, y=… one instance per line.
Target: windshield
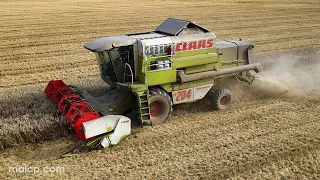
x=106, y=68
x=105, y=56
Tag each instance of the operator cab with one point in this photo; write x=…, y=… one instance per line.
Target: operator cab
x=115, y=56
x=117, y=64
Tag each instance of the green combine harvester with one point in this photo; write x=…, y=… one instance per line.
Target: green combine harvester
x=150, y=72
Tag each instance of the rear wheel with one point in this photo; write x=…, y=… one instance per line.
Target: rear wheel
x=160, y=105
x=222, y=99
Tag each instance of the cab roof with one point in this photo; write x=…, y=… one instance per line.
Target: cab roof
x=173, y=27
x=169, y=27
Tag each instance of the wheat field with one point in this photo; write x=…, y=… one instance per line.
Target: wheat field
x=42, y=40
x=271, y=132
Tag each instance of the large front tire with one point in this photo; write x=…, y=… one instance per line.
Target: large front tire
x=160, y=106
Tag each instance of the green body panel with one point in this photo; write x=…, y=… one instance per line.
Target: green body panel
x=200, y=68
x=176, y=86
x=161, y=77
x=141, y=74
x=194, y=58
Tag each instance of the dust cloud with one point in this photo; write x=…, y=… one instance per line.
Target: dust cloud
x=297, y=72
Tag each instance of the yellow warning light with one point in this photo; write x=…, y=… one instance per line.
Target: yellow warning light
x=113, y=45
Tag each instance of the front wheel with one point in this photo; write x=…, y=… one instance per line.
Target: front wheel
x=160, y=106
x=222, y=99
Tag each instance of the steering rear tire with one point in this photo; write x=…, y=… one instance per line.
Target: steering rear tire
x=222, y=99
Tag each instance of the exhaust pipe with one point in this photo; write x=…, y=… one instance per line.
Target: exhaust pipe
x=257, y=67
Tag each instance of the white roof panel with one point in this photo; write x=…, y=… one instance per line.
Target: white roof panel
x=155, y=41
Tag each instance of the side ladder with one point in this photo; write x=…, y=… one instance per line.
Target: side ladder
x=144, y=107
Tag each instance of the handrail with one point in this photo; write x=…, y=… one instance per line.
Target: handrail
x=131, y=73
x=145, y=70
x=167, y=55
x=160, y=64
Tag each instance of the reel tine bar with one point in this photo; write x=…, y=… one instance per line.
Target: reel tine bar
x=74, y=108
